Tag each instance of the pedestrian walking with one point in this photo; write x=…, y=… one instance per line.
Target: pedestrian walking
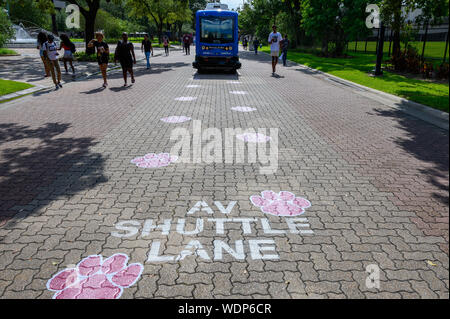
x=147, y=48
x=166, y=45
x=256, y=45
x=274, y=41
x=102, y=54
x=125, y=54
x=284, y=49
x=51, y=53
x=41, y=39
x=187, y=44
x=69, y=50
x=245, y=43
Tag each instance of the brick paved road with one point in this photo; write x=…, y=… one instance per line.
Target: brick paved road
x=376, y=178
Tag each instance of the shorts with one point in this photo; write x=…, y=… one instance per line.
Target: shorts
x=275, y=53
x=102, y=60
x=68, y=55
x=126, y=63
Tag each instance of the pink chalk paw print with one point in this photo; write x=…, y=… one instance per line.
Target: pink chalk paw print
x=95, y=278
x=153, y=160
x=281, y=204
x=253, y=137
x=176, y=119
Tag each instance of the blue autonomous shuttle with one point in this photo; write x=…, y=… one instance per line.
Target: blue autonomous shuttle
x=217, y=39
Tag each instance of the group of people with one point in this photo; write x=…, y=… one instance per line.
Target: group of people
x=125, y=54
x=48, y=51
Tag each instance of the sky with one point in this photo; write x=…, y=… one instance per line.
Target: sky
x=233, y=4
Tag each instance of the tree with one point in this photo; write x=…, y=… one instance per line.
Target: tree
x=433, y=12
x=160, y=11
x=393, y=13
x=320, y=20
x=6, y=29
x=89, y=9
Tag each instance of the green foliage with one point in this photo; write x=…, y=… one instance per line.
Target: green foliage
x=357, y=67
x=6, y=30
x=29, y=12
x=84, y=57
x=8, y=87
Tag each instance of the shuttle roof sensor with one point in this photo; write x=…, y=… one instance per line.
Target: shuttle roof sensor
x=216, y=6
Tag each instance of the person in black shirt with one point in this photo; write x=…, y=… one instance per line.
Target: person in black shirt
x=187, y=44
x=284, y=49
x=102, y=54
x=256, y=45
x=147, y=47
x=125, y=54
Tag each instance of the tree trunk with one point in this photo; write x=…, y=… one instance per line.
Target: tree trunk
x=89, y=31
x=424, y=42
x=396, y=48
x=54, y=25
x=446, y=45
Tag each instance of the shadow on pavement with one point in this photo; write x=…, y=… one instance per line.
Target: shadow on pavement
x=39, y=167
x=216, y=75
x=426, y=143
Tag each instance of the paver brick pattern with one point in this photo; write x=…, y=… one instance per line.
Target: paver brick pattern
x=377, y=180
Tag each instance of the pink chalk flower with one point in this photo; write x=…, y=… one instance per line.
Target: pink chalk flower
x=253, y=137
x=153, y=160
x=176, y=119
x=95, y=278
x=281, y=204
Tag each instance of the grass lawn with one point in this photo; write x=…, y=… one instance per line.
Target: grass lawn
x=433, y=50
x=7, y=87
x=356, y=69
x=4, y=51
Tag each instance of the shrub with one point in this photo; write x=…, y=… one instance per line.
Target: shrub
x=407, y=60
x=6, y=30
x=83, y=57
x=442, y=71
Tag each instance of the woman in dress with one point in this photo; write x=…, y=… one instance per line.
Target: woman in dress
x=69, y=49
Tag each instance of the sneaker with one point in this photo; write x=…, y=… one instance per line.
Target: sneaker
x=56, y=87
x=60, y=85
x=124, y=85
x=133, y=80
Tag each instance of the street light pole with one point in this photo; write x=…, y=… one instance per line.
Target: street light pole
x=380, y=52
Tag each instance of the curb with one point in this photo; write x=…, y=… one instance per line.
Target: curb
x=417, y=110
x=18, y=94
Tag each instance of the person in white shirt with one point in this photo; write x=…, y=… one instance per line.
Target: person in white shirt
x=274, y=41
x=51, y=50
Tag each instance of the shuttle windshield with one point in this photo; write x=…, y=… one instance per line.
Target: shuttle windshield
x=217, y=30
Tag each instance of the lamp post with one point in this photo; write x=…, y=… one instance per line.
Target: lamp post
x=378, y=71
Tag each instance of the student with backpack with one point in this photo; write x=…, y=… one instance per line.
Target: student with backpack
x=125, y=54
x=166, y=45
x=41, y=39
x=69, y=50
x=51, y=53
x=187, y=44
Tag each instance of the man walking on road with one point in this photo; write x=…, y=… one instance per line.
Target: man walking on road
x=274, y=41
x=187, y=44
x=256, y=45
x=284, y=49
x=126, y=57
